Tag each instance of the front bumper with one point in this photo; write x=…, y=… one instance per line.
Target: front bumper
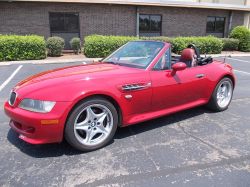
x=29, y=125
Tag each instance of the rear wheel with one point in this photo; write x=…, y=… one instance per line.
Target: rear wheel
x=91, y=124
x=222, y=95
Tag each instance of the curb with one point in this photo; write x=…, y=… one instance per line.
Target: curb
x=68, y=61
x=39, y=62
x=53, y=62
x=5, y=64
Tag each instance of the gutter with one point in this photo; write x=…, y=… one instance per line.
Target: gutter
x=150, y=3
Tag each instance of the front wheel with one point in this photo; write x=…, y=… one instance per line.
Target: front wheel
x=222, y=95
x=91, y=124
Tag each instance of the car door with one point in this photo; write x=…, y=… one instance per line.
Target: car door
x=184, y=87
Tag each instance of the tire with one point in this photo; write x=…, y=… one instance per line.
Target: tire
x=221, y=96
x=91, y=124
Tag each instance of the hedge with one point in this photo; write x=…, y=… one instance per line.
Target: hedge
x=75, y=44
x=29, y=47
x=229, y=44
x=206, y=45
x=243, y=35
x=159, y=38
x=101, y=46
x=55, y=45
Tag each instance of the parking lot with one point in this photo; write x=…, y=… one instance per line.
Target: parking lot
x=195, y=147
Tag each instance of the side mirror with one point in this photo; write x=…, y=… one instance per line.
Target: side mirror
x=178, y=67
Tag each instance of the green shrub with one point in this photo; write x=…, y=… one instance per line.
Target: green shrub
x=159, y=38
x=229, y=44
x=14, y=47
x=206, y=45
x=243, y=35
x=101, y=46
x=55, y=45
x=75, y=44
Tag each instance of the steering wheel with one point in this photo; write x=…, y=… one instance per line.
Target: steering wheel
x=198, y=56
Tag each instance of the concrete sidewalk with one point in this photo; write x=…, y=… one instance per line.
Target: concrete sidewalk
x=58, y=60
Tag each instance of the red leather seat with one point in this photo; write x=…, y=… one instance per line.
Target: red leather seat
x=187, y=56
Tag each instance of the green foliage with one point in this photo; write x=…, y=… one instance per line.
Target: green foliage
x=229, y=44
x=243, y=35
x=136, y=51
x=160, y=38
x=101, y=46
x=55, y=45
x=14, y=47
x=206, y=45
x=75, y=44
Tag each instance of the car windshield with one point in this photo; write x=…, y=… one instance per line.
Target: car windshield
x=136, y=54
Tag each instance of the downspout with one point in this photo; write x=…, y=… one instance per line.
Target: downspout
x=230, y=23
x=137, y=20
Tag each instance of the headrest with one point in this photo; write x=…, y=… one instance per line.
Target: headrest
x=157, y=50
x=187, y=54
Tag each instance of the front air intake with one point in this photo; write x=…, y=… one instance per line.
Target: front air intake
x=12, y=98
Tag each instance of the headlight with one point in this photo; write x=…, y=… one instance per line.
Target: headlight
x=37, y=105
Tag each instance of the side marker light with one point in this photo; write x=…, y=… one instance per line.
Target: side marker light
x=47, y=122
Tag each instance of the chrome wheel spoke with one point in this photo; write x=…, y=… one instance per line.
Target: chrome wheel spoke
x=90, y=114
x=219, y=90
x=224, y=88
x=82, y=125
x=101, y=129
x=102, y=117
x=89, y=135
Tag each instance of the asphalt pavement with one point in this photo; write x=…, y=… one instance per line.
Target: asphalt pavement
x=195, y=147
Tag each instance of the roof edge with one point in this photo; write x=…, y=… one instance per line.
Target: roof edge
x=149, y=3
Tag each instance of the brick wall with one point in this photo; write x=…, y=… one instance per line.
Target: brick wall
x=33, y=18
x=190, y=21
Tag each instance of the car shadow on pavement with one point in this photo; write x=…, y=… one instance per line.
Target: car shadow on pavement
x=161, y=121
x=64, y=148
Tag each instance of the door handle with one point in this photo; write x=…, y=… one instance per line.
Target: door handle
x=200, y=75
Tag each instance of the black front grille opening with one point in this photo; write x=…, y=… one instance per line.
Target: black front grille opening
x=12, y=98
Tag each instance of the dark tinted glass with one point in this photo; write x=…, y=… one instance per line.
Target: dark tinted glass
x=210, y=23
x=219, y=24
x=144, y=23
x=155, y=23
x=57, y=22
x=72, y=22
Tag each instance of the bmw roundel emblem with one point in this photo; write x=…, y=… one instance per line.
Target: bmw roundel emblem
x=92, y=124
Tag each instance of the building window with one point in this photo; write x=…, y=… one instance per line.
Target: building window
x=64, y=22
x=215, y=26
x=64, y=25
x=150, y=25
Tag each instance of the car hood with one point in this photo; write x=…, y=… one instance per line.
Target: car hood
x=71, y=72
x=63, y=84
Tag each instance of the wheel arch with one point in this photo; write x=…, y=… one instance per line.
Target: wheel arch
x=109, y=98
x=231, y=78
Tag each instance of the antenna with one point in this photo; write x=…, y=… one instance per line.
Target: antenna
x=225, y=58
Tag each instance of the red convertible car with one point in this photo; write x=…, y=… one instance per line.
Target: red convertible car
x=139, y=81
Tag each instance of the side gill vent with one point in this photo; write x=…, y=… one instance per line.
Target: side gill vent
x=130, y=87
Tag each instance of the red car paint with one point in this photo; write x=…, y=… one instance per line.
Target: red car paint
x=163, y=93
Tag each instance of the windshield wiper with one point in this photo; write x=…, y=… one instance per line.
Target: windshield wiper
x=110, y=62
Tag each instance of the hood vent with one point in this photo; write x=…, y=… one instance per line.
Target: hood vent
x=131, y=87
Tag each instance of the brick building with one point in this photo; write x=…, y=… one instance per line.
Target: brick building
x=80, y=18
